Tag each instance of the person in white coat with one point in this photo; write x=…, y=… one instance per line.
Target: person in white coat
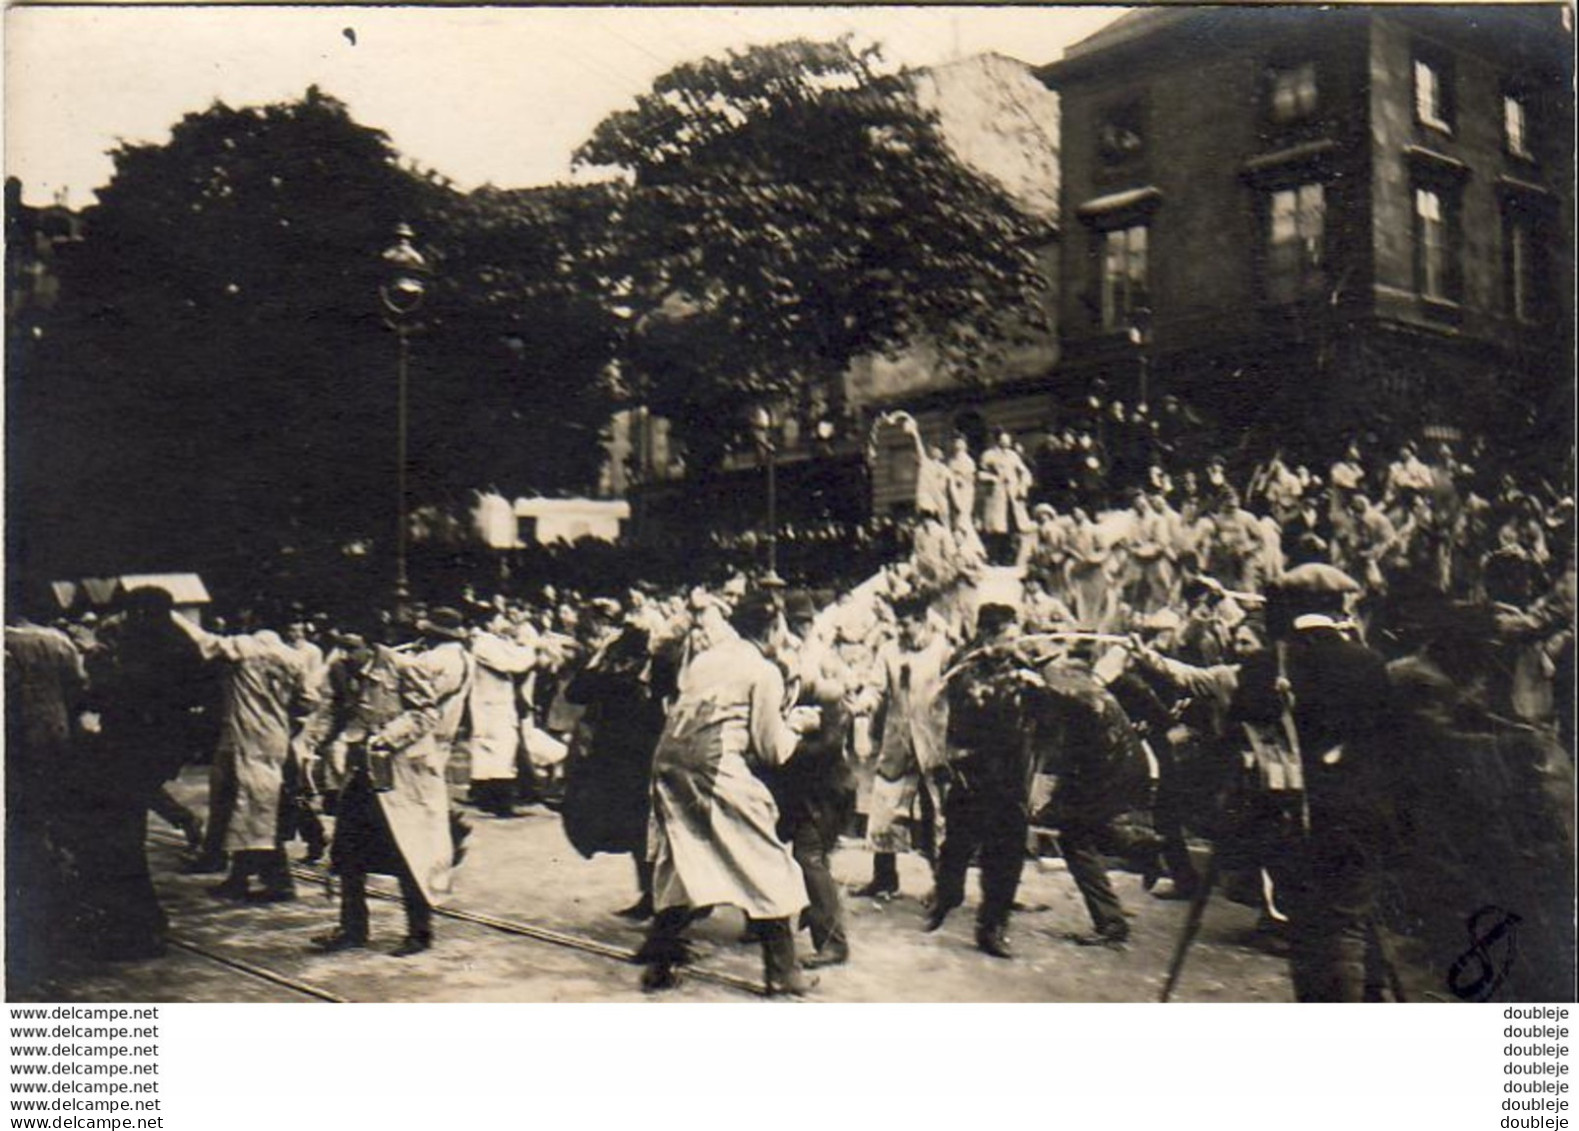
x=907, y=803
x=498, y=663
x=267, y=694
x=713, y=832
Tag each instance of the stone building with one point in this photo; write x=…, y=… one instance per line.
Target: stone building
x=1312, y=221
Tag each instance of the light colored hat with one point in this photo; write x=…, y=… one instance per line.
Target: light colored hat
x=1317, y=577
x=1163, y=620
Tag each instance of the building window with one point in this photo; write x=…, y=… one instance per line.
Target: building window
x=1515, y=126
x=1526, y=240
x=1293, y=93
x=1435, y=244
x=1522, y=283
x=1120, y=135
x=1296, y=242
x=1123, y=253
x=1433, y=94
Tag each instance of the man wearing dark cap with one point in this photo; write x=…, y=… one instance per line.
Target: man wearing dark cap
x=987, y=808
x=815, y=791
x=1325, y=695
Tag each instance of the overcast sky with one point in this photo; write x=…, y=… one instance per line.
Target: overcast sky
x=484, y=95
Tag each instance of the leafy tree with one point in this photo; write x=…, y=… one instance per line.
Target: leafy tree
x=526, y=337
x=792, y=208
x=218, y=387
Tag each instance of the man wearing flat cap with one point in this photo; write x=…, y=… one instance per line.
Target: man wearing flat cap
x=987, y=807
x=393, y=812
x=1326, y=691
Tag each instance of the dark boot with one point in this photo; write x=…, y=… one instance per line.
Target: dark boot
x=664, y=949
x=937, y=914
x=885, y=877
x=352, y=931
x=337, y=940
x=781, y=972
x=278, y=885
x=993, y=939
x=412, y=944
x=1111, y=938
x=234, y=886
x=641, y=910
x=834, y=952
x=419, y=917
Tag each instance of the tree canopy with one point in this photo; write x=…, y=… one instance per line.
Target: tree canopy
x=216, y=388
x=791, y=208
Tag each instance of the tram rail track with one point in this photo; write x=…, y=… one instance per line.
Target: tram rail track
x=511, y=927
x=253, y=970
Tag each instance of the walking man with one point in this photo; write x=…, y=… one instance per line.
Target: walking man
x=393, y=812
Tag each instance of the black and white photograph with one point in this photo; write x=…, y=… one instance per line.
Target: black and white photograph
x=831, y=504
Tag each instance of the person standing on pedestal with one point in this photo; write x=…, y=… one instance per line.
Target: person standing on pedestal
x=1001, y=516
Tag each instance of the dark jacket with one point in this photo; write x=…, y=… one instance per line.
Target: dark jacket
x=607, y=780
x=1342, y=711
x=817, y=784
x=1090, y=744
x=157, y=699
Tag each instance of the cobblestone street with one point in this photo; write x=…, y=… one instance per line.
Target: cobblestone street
x=523, y=872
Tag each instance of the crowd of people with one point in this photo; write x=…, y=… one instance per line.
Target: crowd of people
x=1353, y=687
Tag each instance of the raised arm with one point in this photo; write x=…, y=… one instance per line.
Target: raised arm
x=772, y=740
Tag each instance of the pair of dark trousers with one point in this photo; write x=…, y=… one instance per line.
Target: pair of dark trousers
x=364, y=843
x=1168, y=817
x=989, y=820
x=1078, y=844
x=172, y=812
x=268, y=864
x=825, y=914
x=665, y=945
x=353, y=905
x=1330, y=899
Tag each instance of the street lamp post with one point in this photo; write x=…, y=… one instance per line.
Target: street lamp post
x=763, y=429
x=402, y=294
x=1140, y=334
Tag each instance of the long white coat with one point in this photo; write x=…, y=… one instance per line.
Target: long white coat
x=428, y=702
x=712, y=836
x=266, y=694
x=495, y=715
x=915, y=726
